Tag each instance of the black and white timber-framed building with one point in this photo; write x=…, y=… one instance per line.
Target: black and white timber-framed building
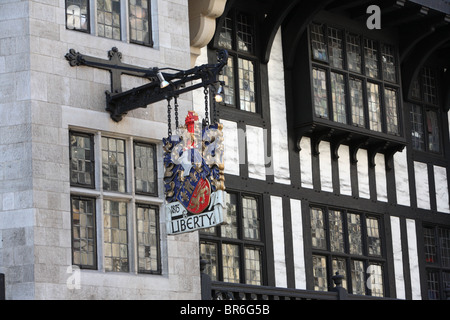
x=337, y=150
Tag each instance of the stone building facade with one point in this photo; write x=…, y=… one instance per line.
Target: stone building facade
x=76, y=187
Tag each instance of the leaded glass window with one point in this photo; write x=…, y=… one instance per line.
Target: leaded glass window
x=145, y=168
x=235, y=251
x=424, y=112
x=437, y=258
x=140, y=22
x=147, y=221
x=108, y=19
x=354, y=52
x=113, y=164
x=237, y=35
x=77, y=15
x=348, y=243
x=357, y=103
x=320, y=93
x=371, y=58
x=354, y=81
x=84, y=248
x=82, y=160
x=115, y=244
x=391, y=103
x=374, y=106
x=338, y=97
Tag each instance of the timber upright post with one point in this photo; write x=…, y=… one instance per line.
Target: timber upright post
x=2, y=287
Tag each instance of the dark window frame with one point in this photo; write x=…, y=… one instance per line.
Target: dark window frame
x=243, y=243
x=88, y=15
x=425, y=107
x=435, y=267
x=92, y=155
x=150, y=33
x=382, y=83
x=95, y=258
x=158, y=271
x=235, y=54
x=155, y=167
x=365, y=257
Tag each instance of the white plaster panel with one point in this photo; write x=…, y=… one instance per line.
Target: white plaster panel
x=280, y=152
x=297, y=240
x=256, y=152
x=422, y=185
x=363, y=174
x=231, y=147
x=413, y=259
x=326, y=176
x=402, y=178
x=278, y=241
x=306, y=163
x=398, y=258
x=344, y=170
x=380, y=176
x=441, y=185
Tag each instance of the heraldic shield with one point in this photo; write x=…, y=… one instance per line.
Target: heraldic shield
x=194, y=178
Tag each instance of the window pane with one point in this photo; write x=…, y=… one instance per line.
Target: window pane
x=358, y=278
x=247, y=85
x=417, y=130
x=415, y=90
x=433, y=131
x=83, y=232
x=320, y=93
x=357, y=103
x=77, y=15
x=147, y=239
x=375, y=280
x=253, y=270
x=429, y=86
x=116, y=238
x=391, y=101
x=371, y=58
x=318, y=46
x=433, y=285
x=430, y=245
x=336, y=231
x=335, y=47
x=354, y=53
x=145, y=171
x=230, y=261
x=318, y=229
x=250, y=218
x=320, y=273
x=208, y=252
x=340, y=266
x=338, y=97
x=354, y=233
x=113, y=166
x=230, y=230
x=82, y=160
x=388, y=60
x=227, y=76
x=444, y=244
x=108, y=19
x=373, y=237
x=225, y=36
x=245, y=32
x=140, y=31
x=373, y=94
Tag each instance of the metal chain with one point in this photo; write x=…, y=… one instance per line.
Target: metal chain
x=176, y=113
x=206, y=106
x=169, y=120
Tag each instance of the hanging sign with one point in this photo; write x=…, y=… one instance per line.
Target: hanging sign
x=193, y=177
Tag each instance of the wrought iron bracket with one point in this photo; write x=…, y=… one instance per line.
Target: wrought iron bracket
x=119, y=103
